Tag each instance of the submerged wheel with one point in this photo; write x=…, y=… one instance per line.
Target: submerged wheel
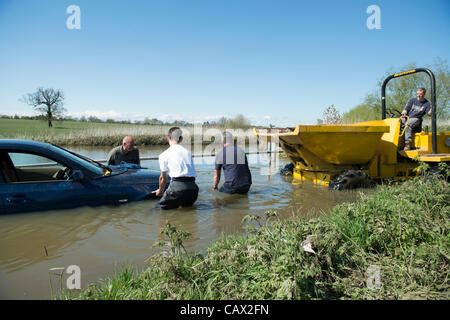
x=287, y=170
x=352, y=179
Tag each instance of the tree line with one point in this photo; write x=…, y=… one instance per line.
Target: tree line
x=238, y=122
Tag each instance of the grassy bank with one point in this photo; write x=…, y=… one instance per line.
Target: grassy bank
x=403, y=230
x=73, y=133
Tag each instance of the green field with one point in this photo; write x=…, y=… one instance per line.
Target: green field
x=14, y=128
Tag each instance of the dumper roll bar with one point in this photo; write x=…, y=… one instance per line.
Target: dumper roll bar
x=433, y=99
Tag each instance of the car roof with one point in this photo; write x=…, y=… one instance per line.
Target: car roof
x=26, y=144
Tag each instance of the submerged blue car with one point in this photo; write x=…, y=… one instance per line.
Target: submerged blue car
x=40, y=176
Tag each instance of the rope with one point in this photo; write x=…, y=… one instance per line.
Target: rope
x=202, y=155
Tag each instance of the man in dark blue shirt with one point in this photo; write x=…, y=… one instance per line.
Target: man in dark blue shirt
x=415, y=109
x=233, y=160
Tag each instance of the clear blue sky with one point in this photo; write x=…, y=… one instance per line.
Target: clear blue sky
x=280, y=62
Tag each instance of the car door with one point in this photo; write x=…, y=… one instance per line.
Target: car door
x=2, y=202
x=41, y=183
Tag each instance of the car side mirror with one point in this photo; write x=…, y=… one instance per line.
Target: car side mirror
x=77, y=175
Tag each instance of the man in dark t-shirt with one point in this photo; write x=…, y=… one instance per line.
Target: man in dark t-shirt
x=415, y=109
x=127, y=152
x=233, y=160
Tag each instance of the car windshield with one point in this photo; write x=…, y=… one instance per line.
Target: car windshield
x=83, y=161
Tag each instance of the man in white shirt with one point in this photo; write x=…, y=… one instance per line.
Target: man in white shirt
x=176, y=162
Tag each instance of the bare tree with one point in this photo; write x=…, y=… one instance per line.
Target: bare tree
x=331, y=115
x=48, y=102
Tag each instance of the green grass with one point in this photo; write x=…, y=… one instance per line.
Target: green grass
x=402, y=229
x=11, y=128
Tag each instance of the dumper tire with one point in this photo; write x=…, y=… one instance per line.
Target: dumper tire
x=435, y=171
x=352, y=179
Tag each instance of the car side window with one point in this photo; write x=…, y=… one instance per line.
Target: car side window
x=29, y=167
x=29, y=159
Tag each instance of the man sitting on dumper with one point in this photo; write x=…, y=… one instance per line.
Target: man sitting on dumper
x=415, y=109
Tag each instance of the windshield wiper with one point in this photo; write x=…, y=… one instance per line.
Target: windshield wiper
x=105, y=168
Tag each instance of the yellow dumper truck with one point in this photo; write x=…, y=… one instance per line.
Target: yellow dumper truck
x=347, y=156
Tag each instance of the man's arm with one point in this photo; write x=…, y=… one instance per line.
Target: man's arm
x=138, y=160
x=407, y=107
x=218, y=168
x=217, y=174
x=110, y=157
x=163, y=177
x=162, y=184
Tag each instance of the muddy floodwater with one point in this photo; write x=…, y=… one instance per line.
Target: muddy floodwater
x=101, y=239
